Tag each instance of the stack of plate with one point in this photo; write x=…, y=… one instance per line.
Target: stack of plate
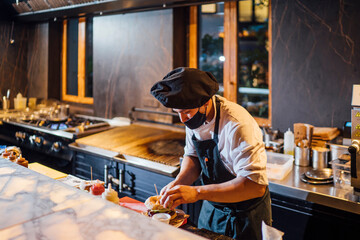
x=318, y=176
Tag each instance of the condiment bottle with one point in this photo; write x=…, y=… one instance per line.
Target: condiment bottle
x=289, y=142
x=110, y=195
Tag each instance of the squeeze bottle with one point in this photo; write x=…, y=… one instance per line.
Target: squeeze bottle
x=289, y=142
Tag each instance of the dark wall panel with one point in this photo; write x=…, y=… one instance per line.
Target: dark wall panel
x=37, y=63
x=315, y=61
x=13, y=59
x=131, y=52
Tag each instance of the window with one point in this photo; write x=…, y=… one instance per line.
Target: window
x=77, y=67
x=231, y=40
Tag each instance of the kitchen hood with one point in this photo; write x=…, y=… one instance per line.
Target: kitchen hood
x=43, y=10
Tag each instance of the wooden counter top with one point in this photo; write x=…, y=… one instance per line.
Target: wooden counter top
x=34, y=206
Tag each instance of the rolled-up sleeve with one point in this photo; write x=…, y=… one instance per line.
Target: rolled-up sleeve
x=247, y=152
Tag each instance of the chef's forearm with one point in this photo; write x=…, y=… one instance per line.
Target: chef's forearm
x=236, y=190
x=189, y=171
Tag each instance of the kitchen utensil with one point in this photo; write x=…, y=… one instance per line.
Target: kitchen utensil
x=32, y=103
x=323, y=174
x=315, y=182
x=302, y=156
x=320, y=157
x=162, y=217
x=20, y=102
x=6, y=103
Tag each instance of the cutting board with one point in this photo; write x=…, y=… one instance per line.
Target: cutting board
x=52, y=173
x=138, y=141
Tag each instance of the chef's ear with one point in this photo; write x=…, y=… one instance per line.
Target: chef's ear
x=207, y=104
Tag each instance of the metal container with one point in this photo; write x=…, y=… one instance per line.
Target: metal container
x=302, y=156
x=6, y=103
x=320, y=158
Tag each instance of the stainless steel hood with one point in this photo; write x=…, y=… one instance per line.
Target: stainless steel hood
x=43, y=10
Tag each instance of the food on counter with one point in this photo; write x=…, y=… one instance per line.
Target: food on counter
x=12, y=157
x=153, y=205
x=162, y=217
x=110, y=195
x=97, y=189
x=85, y=185
x=22, y=161
x=6, y=154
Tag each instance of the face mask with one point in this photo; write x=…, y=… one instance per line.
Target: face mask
x=196, y=121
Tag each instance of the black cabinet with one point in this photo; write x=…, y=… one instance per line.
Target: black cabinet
x=83, y=163
x=140, y=183
x=300, y=219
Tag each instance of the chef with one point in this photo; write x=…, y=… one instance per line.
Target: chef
x=224, y=148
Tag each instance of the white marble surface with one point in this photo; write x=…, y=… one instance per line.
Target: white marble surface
x=33, y=206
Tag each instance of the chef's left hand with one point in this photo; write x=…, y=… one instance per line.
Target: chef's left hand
x=179, y=194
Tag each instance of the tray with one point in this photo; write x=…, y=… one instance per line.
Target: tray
x=315, y=182
x=320, y=174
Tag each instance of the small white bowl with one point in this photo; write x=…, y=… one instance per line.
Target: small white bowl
x=162, y=217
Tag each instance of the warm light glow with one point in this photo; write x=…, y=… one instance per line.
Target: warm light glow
x=222, y=58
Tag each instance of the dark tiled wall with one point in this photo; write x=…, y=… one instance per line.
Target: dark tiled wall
x=131, y=52
x=315, y=61
x=13, y=59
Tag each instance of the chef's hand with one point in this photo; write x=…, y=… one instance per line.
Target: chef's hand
x=177, y=195
x=168, y=186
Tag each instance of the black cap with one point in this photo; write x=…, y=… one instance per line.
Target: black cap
x=185, y=88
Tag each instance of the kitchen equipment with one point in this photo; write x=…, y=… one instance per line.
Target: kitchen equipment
x=315, y=182
x=20, y=102
x=320, y=157
x=322, y=174
x=32, y=103
x=341, y=172
x=302, y=156
x=354, y=149
x=337, y=150
x=152, y=143
x=6, y=103
x=45, y=138
x=278, y=165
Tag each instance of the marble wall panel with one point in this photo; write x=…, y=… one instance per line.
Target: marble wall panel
x=315, y=61
x=37, y=63
x=13, y=59
x=131, y=52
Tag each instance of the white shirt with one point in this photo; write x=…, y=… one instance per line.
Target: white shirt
x=240, y=141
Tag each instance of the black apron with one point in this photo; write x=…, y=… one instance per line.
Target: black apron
x=240, y=220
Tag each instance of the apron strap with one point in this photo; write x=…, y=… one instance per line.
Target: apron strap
x=217, y=119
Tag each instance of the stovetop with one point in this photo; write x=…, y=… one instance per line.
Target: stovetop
x=61, y=124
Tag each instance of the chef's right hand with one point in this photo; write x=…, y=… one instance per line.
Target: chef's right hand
x=168, y=186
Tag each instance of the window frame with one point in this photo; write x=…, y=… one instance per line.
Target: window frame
x=230, y=71
x=80, y=97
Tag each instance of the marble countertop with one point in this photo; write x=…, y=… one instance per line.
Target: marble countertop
x=33, y=206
